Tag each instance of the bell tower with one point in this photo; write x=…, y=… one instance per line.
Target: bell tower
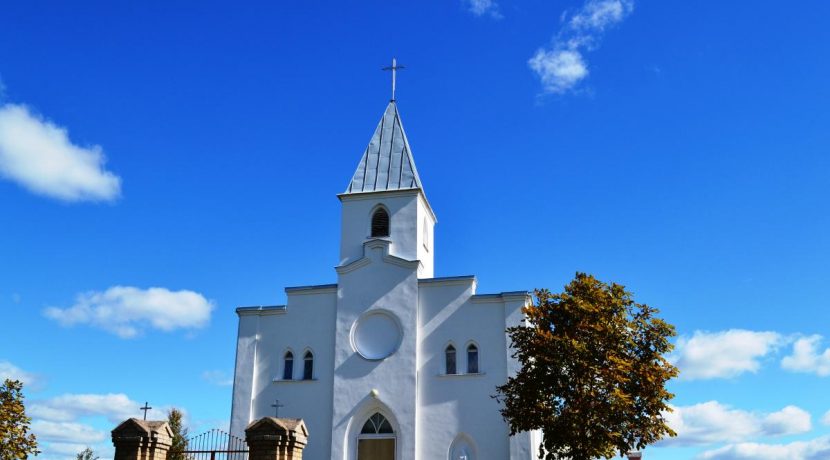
x=385, y=200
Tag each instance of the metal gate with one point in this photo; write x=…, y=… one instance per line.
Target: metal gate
x=215, y=445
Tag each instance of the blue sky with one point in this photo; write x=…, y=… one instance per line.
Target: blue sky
x=175, y=161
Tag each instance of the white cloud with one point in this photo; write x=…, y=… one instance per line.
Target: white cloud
x=559, y=70
x=116, y=407
x=814, y=449
x=712, y=422
x=62, y=449
x=59, y=422
x=126, y=311
x=10, y=371
x=217, y=378
x=38, y=155
x=596, y=15
x=825, y=419
x=66, y=432
x=709, y=355
x=806, y=357
x=484, y=7
x=562, y=65
x=789, y=420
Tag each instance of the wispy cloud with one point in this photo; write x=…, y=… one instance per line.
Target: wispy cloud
x=63, y=451
x=713, y=422
x=38, y=155
x=807, y=357
x=219, y=378
x=10, y=371
x=484, y=7
x=562, y=64
x=116, y=407
x=126, y=311
x=60, y=423
x=814, y=449
x=67, y=432
x=724, y=354
x=825, y=419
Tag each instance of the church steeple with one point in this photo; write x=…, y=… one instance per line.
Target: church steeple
x=385, y=200
x=387, y=162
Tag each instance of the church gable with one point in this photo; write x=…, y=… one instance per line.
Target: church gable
x=377, y=251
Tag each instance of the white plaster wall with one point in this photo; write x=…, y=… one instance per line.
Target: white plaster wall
x=450, y=405
x=426, y=246
x=523, y=446
x=308, y=323
x=407, y=209
x=391, y=284
x=243, y=381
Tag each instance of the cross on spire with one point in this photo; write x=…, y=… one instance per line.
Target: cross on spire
x=276, y=407
x=394, y=68
x=145, y=409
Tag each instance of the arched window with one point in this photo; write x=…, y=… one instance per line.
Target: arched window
x=449, y=357
x=308, y=365
x=425, y=235
x=377, y=424
x=472, y=359
x=376, y=439
x=380, y=223
x=288, y=366
x=463, y=448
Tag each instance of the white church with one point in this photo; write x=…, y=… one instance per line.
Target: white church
x=389, y=363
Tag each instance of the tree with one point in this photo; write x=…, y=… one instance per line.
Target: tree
x=179, y=444
x=593, y=372
x=87, y=454
x=15, y=440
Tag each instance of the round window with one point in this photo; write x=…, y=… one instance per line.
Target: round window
x=376, y=335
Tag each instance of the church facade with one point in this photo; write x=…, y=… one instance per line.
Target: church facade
x=389, y=363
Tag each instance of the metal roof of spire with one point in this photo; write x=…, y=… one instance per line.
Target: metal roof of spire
x=387, y=163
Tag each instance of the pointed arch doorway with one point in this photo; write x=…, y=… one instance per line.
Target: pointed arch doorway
x=376, y=440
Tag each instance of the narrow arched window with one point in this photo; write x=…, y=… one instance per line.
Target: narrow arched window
x=380, y=223
x=308, y=366
x=425, y=235
x=288, y=366
x=472, y=359
x=449, y=357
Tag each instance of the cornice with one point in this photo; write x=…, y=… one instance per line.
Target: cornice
x=448, y=281
x=262, y=310
x=312, y=289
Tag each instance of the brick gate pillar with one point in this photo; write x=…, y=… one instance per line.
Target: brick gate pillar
x=271, y=438
x=136, y=439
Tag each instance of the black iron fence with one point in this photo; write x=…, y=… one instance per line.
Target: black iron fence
x=215, y=445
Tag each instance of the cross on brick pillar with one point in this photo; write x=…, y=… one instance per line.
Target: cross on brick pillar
x=136, y=439
x=271, y=438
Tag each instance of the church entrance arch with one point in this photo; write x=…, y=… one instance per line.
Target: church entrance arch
x=376, y=440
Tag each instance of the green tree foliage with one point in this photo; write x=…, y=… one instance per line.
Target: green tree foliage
x=593, y=372
x=15, y=440
x=87, y=454
x=179, y=444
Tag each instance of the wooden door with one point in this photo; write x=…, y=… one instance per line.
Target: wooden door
x=376, y=449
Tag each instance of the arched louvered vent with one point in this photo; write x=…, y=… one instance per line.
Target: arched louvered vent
x=380, y=223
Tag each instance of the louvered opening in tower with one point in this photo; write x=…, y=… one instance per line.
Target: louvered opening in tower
x=380, y=223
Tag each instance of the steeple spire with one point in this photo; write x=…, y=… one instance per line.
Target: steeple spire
x=387, y=162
